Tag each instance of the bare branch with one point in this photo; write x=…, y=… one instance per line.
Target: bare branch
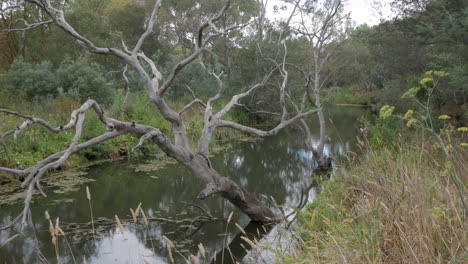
x=55, y=160
x=285, y=75
x=198, y=163
x=257, y=111
x=200, y=43
x=149, y=27
x=157, y=75
x=26, y=27
x=127, y=84
x=195, y=101
x=235, y=99
x=262, y=133
x=217, y=77
x=219, y=32
x=143, y=138
x=33, y=120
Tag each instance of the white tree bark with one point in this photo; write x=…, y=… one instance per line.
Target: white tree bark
x=325, y=29
x=197, y=162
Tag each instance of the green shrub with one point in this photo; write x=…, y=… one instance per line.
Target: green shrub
x=78, y=79
x=239, y=115
x=384, y=128
x=82, y=80
x=32, y=81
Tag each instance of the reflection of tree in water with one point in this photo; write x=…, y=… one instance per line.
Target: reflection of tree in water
x=342, y=129
x=270, y=167
x=278, y=166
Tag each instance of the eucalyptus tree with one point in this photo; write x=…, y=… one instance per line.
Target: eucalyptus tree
x=157, y=85
x=325, y=26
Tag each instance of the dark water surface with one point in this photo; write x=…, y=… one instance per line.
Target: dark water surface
x=278, y=167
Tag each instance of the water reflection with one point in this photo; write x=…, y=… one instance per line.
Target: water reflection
x=123, y=248
x=278, y=167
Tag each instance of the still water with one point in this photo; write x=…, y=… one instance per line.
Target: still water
x=279, y=167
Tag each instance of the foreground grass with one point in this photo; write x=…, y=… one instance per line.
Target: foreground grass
x=394, y=206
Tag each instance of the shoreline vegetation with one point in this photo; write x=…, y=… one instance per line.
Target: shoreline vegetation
x=398, y=203
x=36, y=143
x=401, y=199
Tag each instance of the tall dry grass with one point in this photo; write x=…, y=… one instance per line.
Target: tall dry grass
x=396, y=206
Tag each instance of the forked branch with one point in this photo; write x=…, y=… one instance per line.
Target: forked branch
x=115, y=127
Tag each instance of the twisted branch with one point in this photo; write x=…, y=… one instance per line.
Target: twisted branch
x=115, y=127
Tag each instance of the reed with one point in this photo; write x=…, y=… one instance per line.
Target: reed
x=202, y=250
x=135, y=221
x=252, y=244
x=9, y=240
x=194, y=259
x=54, y=231
x=169, y=253
x=171, y=245
x=400, y=205
x=119, y=224
x=228, y=221
x=145, y=220
x=88, y=197
x=241, y=229
x=67, y=242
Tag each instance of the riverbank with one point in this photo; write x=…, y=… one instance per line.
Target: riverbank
x=392, y=205
x=35, y=143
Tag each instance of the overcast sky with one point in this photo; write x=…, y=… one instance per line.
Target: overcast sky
x=369, y=11
x=362, y=11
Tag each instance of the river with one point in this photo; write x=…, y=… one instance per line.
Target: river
x=277, y=169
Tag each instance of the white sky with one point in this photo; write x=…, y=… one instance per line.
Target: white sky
x=369, y=11
x=362, y=11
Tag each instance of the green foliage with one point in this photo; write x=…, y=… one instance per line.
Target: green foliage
x=35, y=142
x=82, y=79
x=386, y=111
x=78, y=79
x=345, y=95
x=240, y=115
x=138, y=108
x=353, y=219
x=195, y=77
x=33, y=81
x=389, y=57
x=319, y=214
x=384, y=128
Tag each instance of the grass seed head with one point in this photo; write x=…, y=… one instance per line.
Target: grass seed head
x=195, y=260
x=119, y=224
x=202, y=250
x=241, y=229
x=230, y=217
x=47, y=216
x=168, y=241
x=88, y=194
x=133, y=215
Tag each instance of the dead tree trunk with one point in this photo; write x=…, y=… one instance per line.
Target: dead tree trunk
x=325, y=29
x=198, y=163
x=226, y=188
